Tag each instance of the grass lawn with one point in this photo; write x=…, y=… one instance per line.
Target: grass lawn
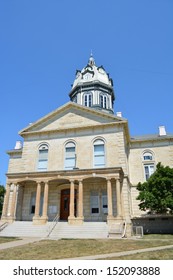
x=8, y=239
x=71, y=248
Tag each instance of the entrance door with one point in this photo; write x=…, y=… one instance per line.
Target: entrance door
x=65, y=202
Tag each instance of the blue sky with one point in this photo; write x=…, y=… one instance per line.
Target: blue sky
x=43, y=42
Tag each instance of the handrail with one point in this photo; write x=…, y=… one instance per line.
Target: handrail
x=124, y=230
x=53, y=224
x=2, y=226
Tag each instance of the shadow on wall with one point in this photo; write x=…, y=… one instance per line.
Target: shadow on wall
x=155, y=224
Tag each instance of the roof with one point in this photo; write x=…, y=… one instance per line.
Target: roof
x=91, y=73
x=148, y=137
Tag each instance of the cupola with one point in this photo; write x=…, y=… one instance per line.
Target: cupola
x=93, y=87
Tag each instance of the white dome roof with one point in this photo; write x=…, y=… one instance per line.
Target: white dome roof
x=91, y=73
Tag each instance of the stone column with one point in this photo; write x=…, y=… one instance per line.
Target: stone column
x=37, y=202
x=6, y=202
x=45, y=201
x=72, y=199
x=118, y=195
x=80, y=213
x=13, y=203
x=109, y=195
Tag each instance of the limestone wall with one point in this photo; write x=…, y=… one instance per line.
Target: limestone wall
x=115, y=150
x=162, y=152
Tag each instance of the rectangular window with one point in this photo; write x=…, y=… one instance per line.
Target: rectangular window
x=33, y=198
x=94, y=204
x=104, y=204
x=149, y=170
x=70, y=158
x=43, y=160
x=99, y=155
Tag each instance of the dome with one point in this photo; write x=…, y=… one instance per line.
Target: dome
x=93, y=88
x=91, y=73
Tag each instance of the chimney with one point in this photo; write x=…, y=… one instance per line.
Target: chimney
x=119, y=114
x=162, y=131
x=18, y=145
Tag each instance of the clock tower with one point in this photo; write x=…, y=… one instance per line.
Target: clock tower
x=93, y=88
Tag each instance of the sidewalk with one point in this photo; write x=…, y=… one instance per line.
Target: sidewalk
x=119, y=254
x=16, y=243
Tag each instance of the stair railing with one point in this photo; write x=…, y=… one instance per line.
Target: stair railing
x=124, y=230
x=2, y=226
x=53, y=224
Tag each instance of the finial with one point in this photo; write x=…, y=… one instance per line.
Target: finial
x=91, y=59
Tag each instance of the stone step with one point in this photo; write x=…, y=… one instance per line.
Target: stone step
x=87, y=230
x=61, y=230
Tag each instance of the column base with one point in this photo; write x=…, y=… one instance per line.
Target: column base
x=8, y=219
x=40, y=220
x=75, y=220
x=128, y=232
x=112, y=220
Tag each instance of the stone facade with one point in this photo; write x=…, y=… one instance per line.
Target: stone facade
x=107, y=162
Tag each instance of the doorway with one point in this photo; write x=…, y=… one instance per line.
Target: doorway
x=65, y=202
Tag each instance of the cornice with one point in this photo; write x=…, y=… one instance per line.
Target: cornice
x=79, y=128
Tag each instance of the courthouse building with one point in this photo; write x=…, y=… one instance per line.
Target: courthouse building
x=79, y=162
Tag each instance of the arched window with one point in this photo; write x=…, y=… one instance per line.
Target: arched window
x=149, y=165
x=88, y=99
x=99, y=153
x=70, y=155
x=147, y=156
x=43, y=157
x=103, y=101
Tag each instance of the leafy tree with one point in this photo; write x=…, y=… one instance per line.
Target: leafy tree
x=2, y=193
x=156, y=194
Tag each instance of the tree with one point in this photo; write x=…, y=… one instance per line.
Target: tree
x=156, y=194
x=2, y=193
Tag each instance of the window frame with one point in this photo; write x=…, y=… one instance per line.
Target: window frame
x=94, y=195
x=88, y=99
x=69, y=155
x=148, y=162
x=150, y=172
x=97, y=154
x=103, y=101
x=41, y=158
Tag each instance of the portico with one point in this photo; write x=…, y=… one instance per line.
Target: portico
x=91, y=193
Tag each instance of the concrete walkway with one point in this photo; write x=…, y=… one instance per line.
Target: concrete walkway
x=16, y=243
x=119, y=254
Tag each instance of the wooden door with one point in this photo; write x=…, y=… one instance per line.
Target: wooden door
x=65, y=202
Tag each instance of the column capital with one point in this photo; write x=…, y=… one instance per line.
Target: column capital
x=46, y=182
x=80, y=180
x=38, y=182
x=71, y=180
x=108, y=179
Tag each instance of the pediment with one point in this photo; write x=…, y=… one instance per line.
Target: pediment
x=71, y=115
